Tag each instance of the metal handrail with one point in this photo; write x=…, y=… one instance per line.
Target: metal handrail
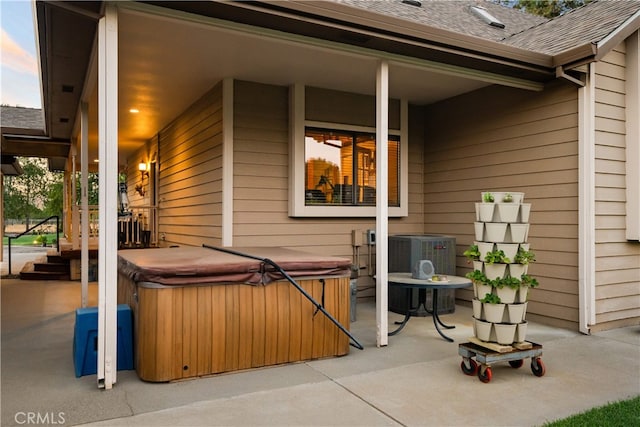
x=10, y=238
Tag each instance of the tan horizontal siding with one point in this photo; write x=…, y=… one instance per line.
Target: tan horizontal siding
x=261, y=174
x=617, y=261
x=502, y=139
x=190, y=184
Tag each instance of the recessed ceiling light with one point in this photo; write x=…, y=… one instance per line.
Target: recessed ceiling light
x=134, y=110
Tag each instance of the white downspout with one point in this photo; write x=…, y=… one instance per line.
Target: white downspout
x=586, y=208
x=108, y=181
x=382, y=203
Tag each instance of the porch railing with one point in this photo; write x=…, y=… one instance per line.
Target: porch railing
x=136, y=228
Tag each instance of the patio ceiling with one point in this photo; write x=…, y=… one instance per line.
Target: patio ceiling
x=166, y=65
x=168, y=59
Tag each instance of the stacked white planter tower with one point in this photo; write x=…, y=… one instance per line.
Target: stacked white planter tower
x=501, y=224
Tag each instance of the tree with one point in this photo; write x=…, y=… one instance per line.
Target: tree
x=26, y=195
x=546, y=8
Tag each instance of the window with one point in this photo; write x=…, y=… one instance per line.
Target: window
x=333, y=155
x=340, y=168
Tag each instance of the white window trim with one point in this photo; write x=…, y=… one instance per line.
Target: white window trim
x=297, y=207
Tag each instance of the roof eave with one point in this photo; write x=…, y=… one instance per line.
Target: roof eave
x=576, y=56
x=619, y=35
x=386, y=24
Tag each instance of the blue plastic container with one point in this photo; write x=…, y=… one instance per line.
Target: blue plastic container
x=85, y=340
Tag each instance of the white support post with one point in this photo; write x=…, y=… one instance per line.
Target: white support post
x=382, y=203
x=227, y=162
x=108, y=181
x=75, y=215
x=587, y=215
x=84, y=197
x=632, y=124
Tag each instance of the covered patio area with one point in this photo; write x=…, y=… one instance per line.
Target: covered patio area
x=415, y=381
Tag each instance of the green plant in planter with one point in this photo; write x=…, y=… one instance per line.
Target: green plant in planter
x=529, y=281
x=491, y=299
x=524, y=257
x=507, y=198
x=487, y=198
x=473, y=253
x=511, y=282
x=496, y=257
x=478, y=277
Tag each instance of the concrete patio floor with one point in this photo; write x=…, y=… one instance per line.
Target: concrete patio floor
x=415, y=380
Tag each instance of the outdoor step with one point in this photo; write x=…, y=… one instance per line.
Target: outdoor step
x=57, y=259
x=29, y=273
x=52, y=267
x=43, y=275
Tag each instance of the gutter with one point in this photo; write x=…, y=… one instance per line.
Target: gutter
x=356, y=20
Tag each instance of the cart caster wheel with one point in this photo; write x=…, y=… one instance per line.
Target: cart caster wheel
x=473, y=367
x=485, y=376
x=537, y=367
x=516, y=363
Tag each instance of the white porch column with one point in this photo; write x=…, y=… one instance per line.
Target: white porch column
x=227, y=162
x=587, y=204
x=108, y=181
x=84, y=197
x=382, y=203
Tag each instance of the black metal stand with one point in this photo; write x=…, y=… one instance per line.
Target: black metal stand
x=412, y=311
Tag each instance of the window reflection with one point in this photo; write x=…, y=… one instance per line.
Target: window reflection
x=341, y=168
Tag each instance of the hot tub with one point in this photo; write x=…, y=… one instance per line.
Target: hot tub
x=199, y=311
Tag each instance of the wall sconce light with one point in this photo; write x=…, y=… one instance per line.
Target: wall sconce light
x=142, y=167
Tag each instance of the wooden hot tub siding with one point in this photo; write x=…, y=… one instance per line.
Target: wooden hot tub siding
x=188, y=331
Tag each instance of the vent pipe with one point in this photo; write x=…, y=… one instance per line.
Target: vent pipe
x=483, y=14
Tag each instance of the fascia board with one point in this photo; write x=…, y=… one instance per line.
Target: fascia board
x=340, y=12
x=592, y=51
x=617, y=36
x=580, y=54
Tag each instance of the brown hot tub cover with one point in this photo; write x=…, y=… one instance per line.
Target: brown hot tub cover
x=194, y=265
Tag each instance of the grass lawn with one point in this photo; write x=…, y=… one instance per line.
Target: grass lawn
x=618, y=414
x=28, y=239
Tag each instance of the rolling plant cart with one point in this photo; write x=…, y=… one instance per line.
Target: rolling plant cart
x=485, y=357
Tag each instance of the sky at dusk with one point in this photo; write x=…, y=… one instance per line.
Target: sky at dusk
x=19, y=75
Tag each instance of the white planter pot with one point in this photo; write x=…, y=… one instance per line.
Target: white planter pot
x=515, y=312
x=495, y=271
x=478, y=265
x=506, y=212
x=523, y=291
x=507, y=295
x=505, y=333
x=484, y=212
x=517, y=233
x=478, y=312
x=525, y=210
x=479, y=228
x=482, y=290
x=496, y=231
x=525, y=246
x=510, y=249
x=521, y=332
x=517, y=270
x=484, y=248
x=483, y=329
x=493, y=312
x=498, y=196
